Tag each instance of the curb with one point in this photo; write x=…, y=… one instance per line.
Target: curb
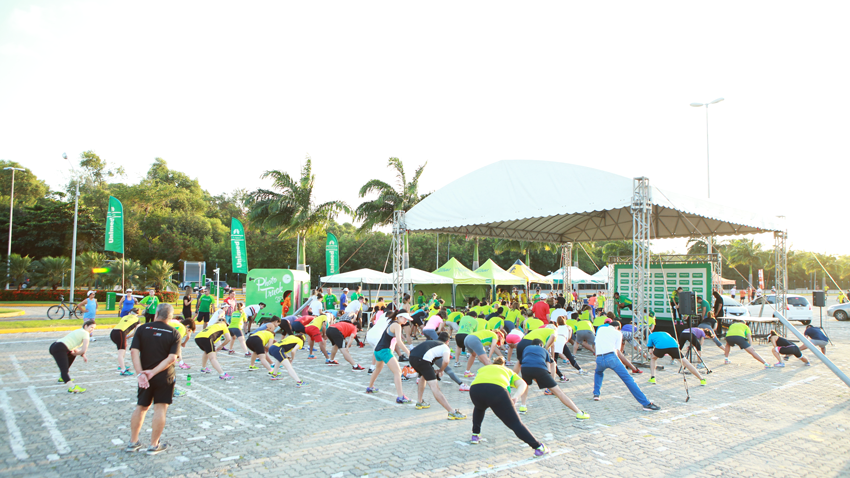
x=38, y=329
x=16, y=313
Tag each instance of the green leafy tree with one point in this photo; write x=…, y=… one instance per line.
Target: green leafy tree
x=746, y=253
x=28, y=188
x=160, y=275
x=289, y=207
x=20, y=269
x=52, y=271
x=131, y=273
x=402, y=197
x=87, y=262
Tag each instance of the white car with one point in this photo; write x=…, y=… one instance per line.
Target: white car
x=798, y=309
x=839, y=311
x=733, y=308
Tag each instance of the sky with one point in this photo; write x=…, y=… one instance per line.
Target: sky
x=224, y=91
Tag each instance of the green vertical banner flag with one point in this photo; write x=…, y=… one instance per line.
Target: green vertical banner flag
x=332, y=255
x=114, y=226
x=238, y=250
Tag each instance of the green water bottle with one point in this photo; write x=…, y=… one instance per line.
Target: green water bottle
x=188, y=380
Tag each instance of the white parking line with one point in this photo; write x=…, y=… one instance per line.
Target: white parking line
x=54, y=385
x=514, y=464
x=49, y=422
x=194, y=395
x=209, y=389
x=18, y=369
x=359, y=394
x=16, y=440
x=346, y=381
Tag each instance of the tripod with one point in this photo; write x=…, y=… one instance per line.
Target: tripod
x=692, y=349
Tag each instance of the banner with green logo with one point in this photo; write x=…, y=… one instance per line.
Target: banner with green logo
x=114, y=226
x=238, y=250
x=332, y=255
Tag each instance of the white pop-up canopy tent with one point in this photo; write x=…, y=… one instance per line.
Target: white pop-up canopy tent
x=360, y=276
x=601, y=275
x=413, y=275
x=577, y=276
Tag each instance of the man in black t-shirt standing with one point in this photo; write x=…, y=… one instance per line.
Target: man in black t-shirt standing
x=155, y=348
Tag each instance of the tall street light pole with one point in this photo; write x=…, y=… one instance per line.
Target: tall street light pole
x=74, y=243
x=11, y=211
x=707, y=162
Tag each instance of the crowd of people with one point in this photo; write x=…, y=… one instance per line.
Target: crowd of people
x=430, y=336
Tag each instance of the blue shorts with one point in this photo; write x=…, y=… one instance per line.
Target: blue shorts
x=235, y=332
x=276, y=354
x=384, y=355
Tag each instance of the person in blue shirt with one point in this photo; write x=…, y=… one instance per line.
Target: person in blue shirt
x=661, y=344
x=343, y=299
x=537, y=367
x=816, y=337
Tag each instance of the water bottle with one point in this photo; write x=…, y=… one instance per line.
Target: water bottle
x=188, y=380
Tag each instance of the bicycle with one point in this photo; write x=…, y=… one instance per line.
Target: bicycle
x=57, y=312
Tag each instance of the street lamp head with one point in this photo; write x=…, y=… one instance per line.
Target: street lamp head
x=697, y=105
x=64, y=156
x=13, y=169
x=718, y=100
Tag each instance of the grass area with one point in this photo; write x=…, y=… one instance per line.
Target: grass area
x=6, y=311
x=31, y=324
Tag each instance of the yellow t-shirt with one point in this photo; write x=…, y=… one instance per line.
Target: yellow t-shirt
x=533, y=324
x=75, y=339
x=487, y=336
x=265, y=336
x=213, y=331
x=584, y=325
x=497, y=375
x=482, y=323
x=513, y=316
x=290, y=339
x=739, y=329
x=318, y=321
x=495, y=323
x=127, y=322
x=176, y=325
x=455, y=317
x=236, y=319
x=542, y=334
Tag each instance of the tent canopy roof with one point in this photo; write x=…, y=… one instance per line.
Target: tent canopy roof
x=413, y=275
x=533, y=204
x=519, y=269
x=360, y=276
x=497, y=275
x=601, y=275
x=577, y=276
x=459, y=273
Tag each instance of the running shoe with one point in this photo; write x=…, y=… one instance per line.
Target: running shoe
x=703, y=382
x=311, y=356
x=581, y=415
x=651, y=407
x=786, y=357
x=522, y=410
x=457, y=364
x=637, y=371
x=230, y=352
x=652, y=380
x=422, y=405
x=700, y=365
x=767, y=365
x=159, y=448
x=225, y=377
x=60, y=380
x=564, y=379
x=331, y=362
x=476, y=439
x=582, y=372
x=371, y=389
x=225, y=349
x=120, y=369
x=248, y=354
x=456, y=415
x=185, y=366
x=251, y=368
x=402, y=400
x=403, y=358
x=469, y=374
x=127, y=372
x=300, y=384
x=357, y=367
x=727, y=361
x=273, y=374
x=547, y=392
x=178, y=393
x=132, y=447
x=808, y=364
x=404, y=378
x=277, y=377
x=371, y=370
x=509, y=364
x=463, y=388
x=596, y=398
x=541, y=450
x=76, y=389
x=206, y=370
x=780, y=364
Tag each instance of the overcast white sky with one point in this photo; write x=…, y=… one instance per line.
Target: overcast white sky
x=224, y=91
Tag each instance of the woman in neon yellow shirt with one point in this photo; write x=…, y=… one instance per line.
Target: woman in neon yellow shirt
x=475, y=343
x=237, y=319
x=69, y=347
x=259, y=343
x=739, y=334
x=279, y=350
x=492, y=389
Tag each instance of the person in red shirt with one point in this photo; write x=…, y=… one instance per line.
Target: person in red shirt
x=341, y=335
x=541, y=309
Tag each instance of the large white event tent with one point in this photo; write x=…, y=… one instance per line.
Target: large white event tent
x=577, y=276
x=601, y=275
x=564, y=203
x=412, y=275
x=360, y=276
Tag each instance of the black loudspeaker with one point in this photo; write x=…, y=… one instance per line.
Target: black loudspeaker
x=819, y=298
x=687, y=303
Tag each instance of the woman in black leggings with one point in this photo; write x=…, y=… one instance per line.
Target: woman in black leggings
x=490, y=389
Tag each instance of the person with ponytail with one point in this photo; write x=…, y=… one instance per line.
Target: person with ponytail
x=384, y=353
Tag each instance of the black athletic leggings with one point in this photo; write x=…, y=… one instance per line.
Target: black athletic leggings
x=570, y=357
x=490, y=395
x=63, y=358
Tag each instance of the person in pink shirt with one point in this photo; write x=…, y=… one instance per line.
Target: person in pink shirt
x=434, y=325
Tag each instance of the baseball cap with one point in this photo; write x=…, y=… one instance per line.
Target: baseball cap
x=345, y=289
x=89, y=293
x=405, y=315
x=129, y=290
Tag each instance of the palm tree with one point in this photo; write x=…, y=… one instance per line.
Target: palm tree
x=87, y=262
x=289, y=207
x=20, y=268
x=402, y=197
x=132, y=271
x=51, y=271
x=160, y=275
x=745, y=252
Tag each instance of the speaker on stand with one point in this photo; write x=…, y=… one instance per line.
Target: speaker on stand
x=819, y=300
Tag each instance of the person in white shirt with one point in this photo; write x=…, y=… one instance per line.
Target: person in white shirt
x=608, y=355
x=353, y=309
x=422, y=359
x=251, y=312
x=734, y=291
x=316, y=306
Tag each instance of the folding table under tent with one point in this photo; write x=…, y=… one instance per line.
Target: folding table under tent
x=465, y=283
x=497, y=276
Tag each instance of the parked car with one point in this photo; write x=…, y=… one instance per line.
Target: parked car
x=733, y=308
x=798, y=308
x=839, y=311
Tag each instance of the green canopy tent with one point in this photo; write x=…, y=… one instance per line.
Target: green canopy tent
x=465, y=283
x=497, y=276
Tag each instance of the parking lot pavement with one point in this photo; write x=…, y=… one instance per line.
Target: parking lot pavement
x=747, y=421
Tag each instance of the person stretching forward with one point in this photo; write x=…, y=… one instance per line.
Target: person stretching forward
x=608, y=355
x=422, y=360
